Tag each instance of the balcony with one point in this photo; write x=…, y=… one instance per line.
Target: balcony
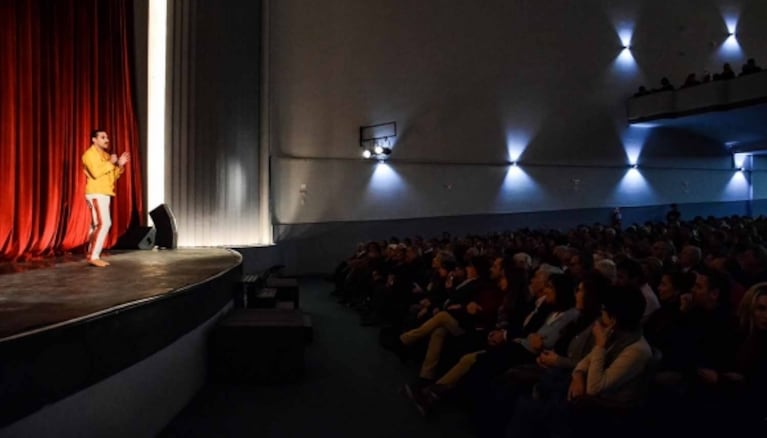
x=712, y=96
x=732, y=112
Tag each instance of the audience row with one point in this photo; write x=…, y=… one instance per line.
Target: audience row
x=594, y=331
x=692, y=80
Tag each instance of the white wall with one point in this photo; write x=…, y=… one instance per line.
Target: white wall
x=476, y=82
x=350, y=191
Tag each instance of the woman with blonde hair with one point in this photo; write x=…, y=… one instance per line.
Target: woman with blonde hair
x=751, y=359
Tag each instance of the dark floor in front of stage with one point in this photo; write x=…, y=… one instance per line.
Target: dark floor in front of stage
x=351, y=389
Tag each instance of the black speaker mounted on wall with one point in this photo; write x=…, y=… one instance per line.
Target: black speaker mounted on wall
x=165, y=223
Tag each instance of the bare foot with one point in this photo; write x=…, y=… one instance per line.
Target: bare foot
x=98, y=263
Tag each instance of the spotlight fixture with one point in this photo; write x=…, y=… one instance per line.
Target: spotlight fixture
x=742, y=169
x=376, y=140
x=514, y=164
x=635, y=166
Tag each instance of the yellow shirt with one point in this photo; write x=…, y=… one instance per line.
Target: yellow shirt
x=100, y=172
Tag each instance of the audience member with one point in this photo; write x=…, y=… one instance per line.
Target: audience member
x=750, y=67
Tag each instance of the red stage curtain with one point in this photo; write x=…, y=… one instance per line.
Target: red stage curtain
x=65, y=69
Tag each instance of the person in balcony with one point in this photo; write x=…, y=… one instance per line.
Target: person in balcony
x=691, y=81
x=665, y=85
x=642, y=91
x=750, y=67
x=727, y=72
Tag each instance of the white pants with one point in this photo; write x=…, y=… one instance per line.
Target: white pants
x=100, y=223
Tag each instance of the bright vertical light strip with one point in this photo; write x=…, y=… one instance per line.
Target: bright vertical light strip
x=516, y=143
x=731, y=46
x=625, y=59
x=625, y=33
x=739, y=159
x=158, y=28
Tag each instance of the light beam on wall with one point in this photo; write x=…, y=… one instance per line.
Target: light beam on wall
x=632, y=184
x=236, y=185
x=625, y=60
x=633, y=139
x=157, y=41
x=739, y=160
x=517, y=188
x=516, y=143
x=385, y=180
x=632, y=154
x=517, y=180
x=738, y=188
x=731, y=47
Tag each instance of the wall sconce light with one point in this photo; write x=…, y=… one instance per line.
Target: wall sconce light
x=635, y=166
x=741, y=161
x=376, y=140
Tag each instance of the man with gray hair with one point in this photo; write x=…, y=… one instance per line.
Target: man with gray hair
x=690, y=258
x=607, y=268
x=522, y=260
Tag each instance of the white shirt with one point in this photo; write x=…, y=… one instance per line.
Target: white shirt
x=651, y=301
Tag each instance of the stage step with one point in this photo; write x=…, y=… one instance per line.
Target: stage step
x=287, y=289
x=259, y=346
x=263, y=299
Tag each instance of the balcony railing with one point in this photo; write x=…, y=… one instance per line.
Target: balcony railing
x=711, y=96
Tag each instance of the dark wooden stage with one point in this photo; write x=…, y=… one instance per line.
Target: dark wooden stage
x=69, y=325
x=63, y=293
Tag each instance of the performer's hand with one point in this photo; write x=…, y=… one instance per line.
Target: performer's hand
x=113, y=158
x=124, y=158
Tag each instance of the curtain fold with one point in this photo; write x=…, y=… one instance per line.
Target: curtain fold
x=65, y=69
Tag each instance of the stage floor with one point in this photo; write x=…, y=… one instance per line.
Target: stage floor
x=70, y=291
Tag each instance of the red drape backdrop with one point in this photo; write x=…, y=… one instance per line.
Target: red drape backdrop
x=65, y=69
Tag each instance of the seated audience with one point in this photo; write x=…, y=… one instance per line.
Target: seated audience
x=707, y=373
x=472, y=308
x=613, y=373
x=751, y=360
x=545, y=324
x=630, y=274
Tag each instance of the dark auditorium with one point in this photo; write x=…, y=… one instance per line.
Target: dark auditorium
x=383, y=218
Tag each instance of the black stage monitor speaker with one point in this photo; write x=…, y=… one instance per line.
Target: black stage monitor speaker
x=137, y=238
x=165, y=223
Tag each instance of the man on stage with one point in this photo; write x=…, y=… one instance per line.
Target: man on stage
x=101, y=171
